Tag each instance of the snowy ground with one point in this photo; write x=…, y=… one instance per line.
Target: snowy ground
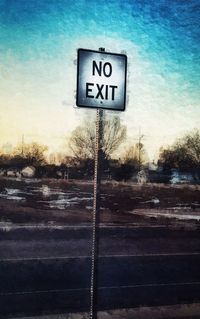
x=52, y=201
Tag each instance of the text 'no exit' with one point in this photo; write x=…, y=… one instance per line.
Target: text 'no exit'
x=103, y=91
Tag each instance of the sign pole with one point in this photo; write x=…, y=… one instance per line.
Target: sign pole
x=101, y=84
x=96, y=212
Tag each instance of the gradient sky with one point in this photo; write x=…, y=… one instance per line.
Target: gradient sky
x=38, y=51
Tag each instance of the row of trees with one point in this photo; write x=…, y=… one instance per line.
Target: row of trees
x=184, y=154
x=32, y=154
x=82, y=147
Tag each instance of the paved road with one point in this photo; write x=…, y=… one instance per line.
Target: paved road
x=33, y=282
x=74, y=241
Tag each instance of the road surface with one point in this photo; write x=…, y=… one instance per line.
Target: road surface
x=47, y=269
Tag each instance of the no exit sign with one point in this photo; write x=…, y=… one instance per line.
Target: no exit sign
x=101, y=80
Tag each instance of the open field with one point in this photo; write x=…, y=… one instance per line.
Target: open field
x=48, y=201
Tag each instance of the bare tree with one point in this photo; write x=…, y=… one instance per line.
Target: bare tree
x=184, y=154
x=33, y=153
x=82, y=140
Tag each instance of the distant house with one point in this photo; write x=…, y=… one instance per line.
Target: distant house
x=28, y=171
x=181, y=178
x=11, y=173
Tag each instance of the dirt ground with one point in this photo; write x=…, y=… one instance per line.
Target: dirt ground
x=61, y=201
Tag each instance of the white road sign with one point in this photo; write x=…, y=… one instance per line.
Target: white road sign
x=101, y=80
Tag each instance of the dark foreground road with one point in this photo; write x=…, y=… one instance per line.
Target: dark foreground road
x=157, y=266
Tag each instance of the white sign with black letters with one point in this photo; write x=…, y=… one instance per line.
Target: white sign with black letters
x=101, y=80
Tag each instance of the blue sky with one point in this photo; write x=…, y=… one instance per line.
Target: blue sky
x=38, y=43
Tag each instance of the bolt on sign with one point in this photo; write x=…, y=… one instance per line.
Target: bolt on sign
x=101, y=80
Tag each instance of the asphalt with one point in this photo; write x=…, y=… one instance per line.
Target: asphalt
x=47, y=271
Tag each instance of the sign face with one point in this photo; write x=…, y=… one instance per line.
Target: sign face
x=101, y=80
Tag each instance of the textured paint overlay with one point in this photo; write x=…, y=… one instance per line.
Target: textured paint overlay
x=38, y=49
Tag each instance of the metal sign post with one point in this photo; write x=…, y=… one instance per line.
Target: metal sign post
x=96, y=209
x=101, y=84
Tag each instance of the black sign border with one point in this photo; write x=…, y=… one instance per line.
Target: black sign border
x=77, y=81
